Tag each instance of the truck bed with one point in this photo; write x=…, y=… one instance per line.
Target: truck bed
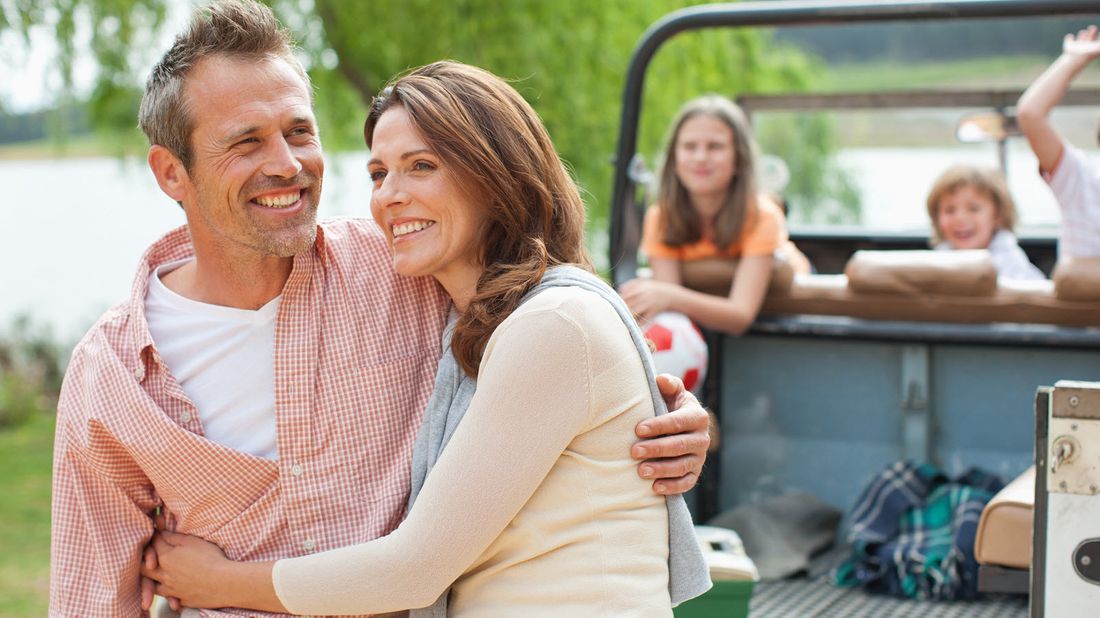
x=809, y=598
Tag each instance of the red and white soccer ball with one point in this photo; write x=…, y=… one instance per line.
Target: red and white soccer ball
x=678, y=348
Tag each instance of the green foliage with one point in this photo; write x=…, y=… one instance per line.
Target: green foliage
x=567, y=57
x=118, y=29
x=30, y=373
x=818, y=192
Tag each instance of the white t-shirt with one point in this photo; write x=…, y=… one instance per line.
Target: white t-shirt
x=1076, y=185
x=223, y=358
x=1008, y=258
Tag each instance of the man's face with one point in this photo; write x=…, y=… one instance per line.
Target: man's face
x=255, y=177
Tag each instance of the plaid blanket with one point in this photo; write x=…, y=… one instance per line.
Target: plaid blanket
x=912, y=533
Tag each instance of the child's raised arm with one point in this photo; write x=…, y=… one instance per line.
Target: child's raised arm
x=1033, y=109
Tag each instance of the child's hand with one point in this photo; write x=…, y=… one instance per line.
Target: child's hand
x=1086, y=43
x=648, y=297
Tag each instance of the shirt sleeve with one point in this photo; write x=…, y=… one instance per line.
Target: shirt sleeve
x=101, y=500
x=652, y=232
x=527, y=408
x=1076, y=186
x=767, y=231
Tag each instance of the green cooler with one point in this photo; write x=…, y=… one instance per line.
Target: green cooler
x=732, y=571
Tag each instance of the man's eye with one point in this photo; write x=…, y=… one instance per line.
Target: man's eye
x=248, y=140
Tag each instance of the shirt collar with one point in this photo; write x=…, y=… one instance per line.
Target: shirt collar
x=174, y=246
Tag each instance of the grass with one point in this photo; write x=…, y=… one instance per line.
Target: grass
x=26, y=459
x=72, y=147
x=995, y=72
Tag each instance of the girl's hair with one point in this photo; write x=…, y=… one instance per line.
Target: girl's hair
x=985, y=180
x=497, y=148
x=681, y=223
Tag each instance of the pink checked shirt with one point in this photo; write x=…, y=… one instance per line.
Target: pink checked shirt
x=356, y=349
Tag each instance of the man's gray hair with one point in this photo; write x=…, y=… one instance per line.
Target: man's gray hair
x=242, y=29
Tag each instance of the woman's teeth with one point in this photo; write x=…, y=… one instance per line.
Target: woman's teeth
x=409, y=228
x=279, y=201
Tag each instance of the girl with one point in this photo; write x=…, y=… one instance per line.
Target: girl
x=708, y=206
x=970, y=208
x=531, y=506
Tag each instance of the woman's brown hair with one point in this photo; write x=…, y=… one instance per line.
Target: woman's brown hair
x=490, y=139
x=681, y=223
x=985, y=180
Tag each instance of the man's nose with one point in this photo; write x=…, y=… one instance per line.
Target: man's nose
x=281, y=161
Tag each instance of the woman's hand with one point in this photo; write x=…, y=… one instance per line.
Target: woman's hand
x=188, y=568
x=648, y=297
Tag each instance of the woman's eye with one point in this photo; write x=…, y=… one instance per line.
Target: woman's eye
x=377, y=176
x=423, y=166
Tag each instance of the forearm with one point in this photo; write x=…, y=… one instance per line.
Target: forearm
x=1049, y=89
x=715, y=312
x=247, y=584
x=494, y=461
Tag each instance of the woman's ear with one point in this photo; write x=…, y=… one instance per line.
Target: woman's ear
x=170, y=172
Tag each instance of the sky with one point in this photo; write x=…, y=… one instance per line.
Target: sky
x=30, y=79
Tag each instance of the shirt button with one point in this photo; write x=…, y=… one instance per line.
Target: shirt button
x=185, y=417
x=296, y=470
x=309, y=544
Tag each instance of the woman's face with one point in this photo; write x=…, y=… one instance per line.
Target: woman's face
x=433, y=226
x=705, y=156
x=967, y=218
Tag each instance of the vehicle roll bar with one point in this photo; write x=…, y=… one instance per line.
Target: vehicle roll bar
x=625, y=215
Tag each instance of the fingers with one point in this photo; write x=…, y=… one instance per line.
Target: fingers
x=148, y=590
x=148, y=565
x=694, y=443
x=671, y=487
x=688, y=417
x=670, y=386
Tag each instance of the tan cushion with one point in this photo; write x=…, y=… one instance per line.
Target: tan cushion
x=956, y=273
x=1023, y=302
x=1004, y=531
x=1077, y=279
x=715, y=275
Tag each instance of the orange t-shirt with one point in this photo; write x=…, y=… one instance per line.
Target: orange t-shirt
x=762, y=234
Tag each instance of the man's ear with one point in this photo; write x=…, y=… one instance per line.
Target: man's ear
x=170, y=173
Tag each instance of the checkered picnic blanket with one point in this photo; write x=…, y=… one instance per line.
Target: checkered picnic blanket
x=912, y=533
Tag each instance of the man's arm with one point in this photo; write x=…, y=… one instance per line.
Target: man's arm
x=99, y=522
x=1033, y=109
x=673, y=446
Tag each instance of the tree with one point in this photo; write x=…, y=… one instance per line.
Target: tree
x=567, y=57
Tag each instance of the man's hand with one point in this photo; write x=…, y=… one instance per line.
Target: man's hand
x=674, y=445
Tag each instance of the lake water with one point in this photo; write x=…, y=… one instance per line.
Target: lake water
x=72, y=230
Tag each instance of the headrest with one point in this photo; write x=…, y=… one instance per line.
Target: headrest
x=715, y=275
x=953, y=273
x=1077, y=279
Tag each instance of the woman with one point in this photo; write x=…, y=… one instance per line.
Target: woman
x=709, y=207
x=532, y=507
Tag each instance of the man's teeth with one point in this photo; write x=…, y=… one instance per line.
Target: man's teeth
x=279, y=201
x=409, y=228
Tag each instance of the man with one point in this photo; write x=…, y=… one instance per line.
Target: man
x=263, y=384
x=1076, y=183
